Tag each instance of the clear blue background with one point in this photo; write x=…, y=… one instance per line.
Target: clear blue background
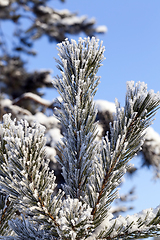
x=132, y=53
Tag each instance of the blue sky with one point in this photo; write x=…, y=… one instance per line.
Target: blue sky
x=132, y=53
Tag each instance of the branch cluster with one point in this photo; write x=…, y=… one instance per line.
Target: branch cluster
x=92, y=169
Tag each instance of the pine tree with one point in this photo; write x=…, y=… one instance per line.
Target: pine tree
x=92, y=170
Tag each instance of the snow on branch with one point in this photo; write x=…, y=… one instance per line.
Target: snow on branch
x=37, y=99
x=140, y=225
x=78, y=65
x=126, y=139
x=151, y=150
x=33, y=97
x=25, y=172
x=6, y=105
x=92, y=170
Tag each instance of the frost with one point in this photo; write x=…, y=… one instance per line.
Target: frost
x=35, y=194
x=73, y=20
x=153, y=139
x=74, y=215
x=45, y=9
x=51, y=153
x=101, y=29
x=151, y=149
x=103, y=105
x=133, y=222
x=53, y=136
x=4, y=3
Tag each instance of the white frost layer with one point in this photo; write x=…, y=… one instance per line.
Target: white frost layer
x=4, y=3
x=103, y=105
x=101, y=29
x=36, y=98
x=48, y=122
x=51, y=153
x=146, y=216
x=154, y=137
x=53, y=136
x=73, y=20
x=100, y=131
x=152, y=142
x=6, y=102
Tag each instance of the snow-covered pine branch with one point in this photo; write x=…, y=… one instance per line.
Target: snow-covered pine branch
x=127, y=132
x=92, y=170
x=125, y=140
x=25, y=175
x=79, y=64
x=140, y=225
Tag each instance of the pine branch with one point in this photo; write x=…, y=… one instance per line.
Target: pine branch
x=30, y=185
x=25, y=174
x=92, y=170
x=7, y=212
x=127, y=137
x=33, y=97
x=127, y=133
x=79, y=64
x=142, y=225
x=27, y=230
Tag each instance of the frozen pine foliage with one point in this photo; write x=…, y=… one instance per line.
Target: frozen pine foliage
x=30, y=205
x=151, y=150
